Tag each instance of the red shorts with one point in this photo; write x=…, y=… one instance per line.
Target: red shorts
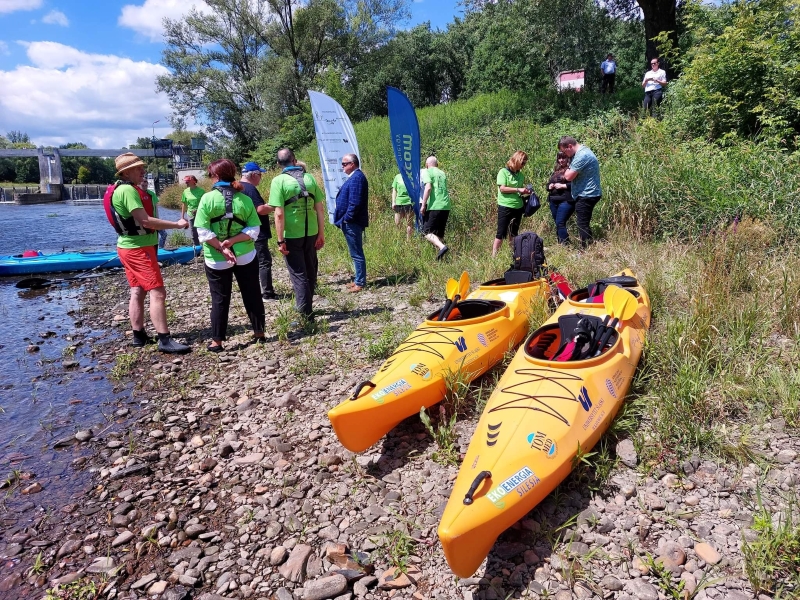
x=141, y=267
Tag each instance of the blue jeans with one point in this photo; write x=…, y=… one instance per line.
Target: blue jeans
x=561, y=212
x=354, y=235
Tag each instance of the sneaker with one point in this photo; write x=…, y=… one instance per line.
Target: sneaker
x=170, y=346
x=213, y=348
x=442, y=252
x=354, y=288
x=269, y=296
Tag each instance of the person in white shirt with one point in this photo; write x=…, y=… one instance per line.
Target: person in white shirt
x=608, y=69
x=653, y=83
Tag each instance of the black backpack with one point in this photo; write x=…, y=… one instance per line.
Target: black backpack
x=529, y=254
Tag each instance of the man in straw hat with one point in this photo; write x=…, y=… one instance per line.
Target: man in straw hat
x=130, y=212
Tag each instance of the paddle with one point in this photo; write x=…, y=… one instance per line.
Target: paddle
x=40, y=282
x=450, y=291
x=622, y=306
x=463, y=290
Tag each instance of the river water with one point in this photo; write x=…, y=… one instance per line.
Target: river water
x=44, y=398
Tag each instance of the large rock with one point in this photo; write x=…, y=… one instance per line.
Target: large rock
x=627, y=453
x=325, y=587
x=294, y=569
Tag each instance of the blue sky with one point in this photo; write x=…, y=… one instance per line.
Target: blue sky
x=85, y=70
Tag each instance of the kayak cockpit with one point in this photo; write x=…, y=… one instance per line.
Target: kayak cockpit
x=593, y=293
x=574, y=338
x=470, y=310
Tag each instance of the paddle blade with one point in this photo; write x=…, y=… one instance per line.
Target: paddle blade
x=33, y=283
x=463, y=285
x=624, y=304
x=451, y=289
x=608, y=299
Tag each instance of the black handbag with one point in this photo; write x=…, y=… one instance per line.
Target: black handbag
x=532, y=202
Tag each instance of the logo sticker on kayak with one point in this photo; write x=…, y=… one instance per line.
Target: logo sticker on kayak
x=522, y=482
x=482, y=340
x=461, y=344
x=610, y=388
x=540, y=441
x=421, y=370
x=583, y=398
x=397, y=388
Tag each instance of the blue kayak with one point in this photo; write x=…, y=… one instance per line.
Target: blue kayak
x=88, y=259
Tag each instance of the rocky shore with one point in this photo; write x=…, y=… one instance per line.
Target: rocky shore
x=223, y=479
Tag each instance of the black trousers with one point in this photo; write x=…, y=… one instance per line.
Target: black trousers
x=652, y=99
x=301, y=262
x=220, y=283
x=583, y=215
x=264, y=265
x=607, y=83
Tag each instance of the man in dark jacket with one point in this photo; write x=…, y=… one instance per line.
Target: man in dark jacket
x=251, y=177
x=352, y=217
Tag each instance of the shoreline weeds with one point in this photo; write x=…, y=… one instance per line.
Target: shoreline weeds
x=228, y=482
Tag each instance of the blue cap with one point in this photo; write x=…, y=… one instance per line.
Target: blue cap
x=252, y=166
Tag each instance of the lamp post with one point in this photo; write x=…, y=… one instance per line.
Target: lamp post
x=154, y=128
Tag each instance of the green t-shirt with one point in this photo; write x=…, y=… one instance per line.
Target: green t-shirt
x=212, y=204
x=191, y=198
x=508, y=179
x=439, y=198
x=283, y=188
x=125, y=200
x=398, y=185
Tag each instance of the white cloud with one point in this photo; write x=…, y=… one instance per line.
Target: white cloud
x=9, y=6
x=66, y=95
x=4, y=48
x=56, y=17
x=147, y=19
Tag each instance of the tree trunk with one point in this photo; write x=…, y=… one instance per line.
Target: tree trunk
x=659, y=15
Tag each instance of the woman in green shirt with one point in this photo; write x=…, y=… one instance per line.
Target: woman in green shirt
x=511, y=193
x=228, y=225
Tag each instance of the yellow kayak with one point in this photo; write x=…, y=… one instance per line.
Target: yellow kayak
x=480, y=330
x=560, y=392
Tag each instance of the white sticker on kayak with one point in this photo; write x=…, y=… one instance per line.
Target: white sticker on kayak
x=509, y=297
x=397, y=388
x=522, y=482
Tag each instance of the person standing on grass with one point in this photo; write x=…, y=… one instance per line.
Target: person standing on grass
x=401, y=205
x=435, y=205
x=130, y=210
x=559, y=196
x=251, y=177
x=653, y=83
x=352, y=217
x=228, y=225
x=189, y=201
x=511, y=194
x=608, y=70
x=584, y=175
x=299, y=226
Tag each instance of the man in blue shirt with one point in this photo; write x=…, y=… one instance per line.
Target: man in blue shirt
x=608, y=69
x=584, y=173
x=352, y=217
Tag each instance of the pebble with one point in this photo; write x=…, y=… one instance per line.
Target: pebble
x=707, y=553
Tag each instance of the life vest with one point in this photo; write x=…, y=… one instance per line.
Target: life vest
x=127, y=226
x=298, y=175
x=227, y=193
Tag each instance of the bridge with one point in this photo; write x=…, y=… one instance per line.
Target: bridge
x=51, y=178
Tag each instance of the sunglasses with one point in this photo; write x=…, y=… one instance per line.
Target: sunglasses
x=344, y=164
x=654, y=63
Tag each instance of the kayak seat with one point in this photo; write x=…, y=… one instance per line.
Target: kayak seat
x=573, y=338
x=470, y=309
x=595, y=292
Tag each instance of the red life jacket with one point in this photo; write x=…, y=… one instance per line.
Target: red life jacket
x=127, y=226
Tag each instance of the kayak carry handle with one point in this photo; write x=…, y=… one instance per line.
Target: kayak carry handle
x=360, y=387
x=478, y=480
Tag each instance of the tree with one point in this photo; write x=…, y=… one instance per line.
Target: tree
x=243, y=69
x=84, y=174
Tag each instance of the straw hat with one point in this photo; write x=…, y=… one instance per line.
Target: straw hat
x=127, y=161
